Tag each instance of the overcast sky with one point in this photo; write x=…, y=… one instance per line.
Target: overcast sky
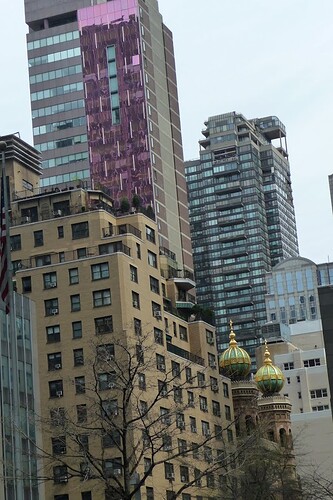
x=256, y=57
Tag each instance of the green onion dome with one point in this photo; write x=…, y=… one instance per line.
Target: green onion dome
x=269, y=378
x=235, y=361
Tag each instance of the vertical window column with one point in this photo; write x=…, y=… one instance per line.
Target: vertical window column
x=113, y=84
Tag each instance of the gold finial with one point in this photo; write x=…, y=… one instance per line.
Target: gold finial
x=267, y=354
x=232, y=335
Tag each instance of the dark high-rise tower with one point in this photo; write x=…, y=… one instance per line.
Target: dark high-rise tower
x=105, y=106
x=242, y=218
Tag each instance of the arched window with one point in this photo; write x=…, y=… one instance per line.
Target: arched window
x=283, y=437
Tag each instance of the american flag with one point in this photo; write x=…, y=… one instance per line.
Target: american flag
x=4, y=286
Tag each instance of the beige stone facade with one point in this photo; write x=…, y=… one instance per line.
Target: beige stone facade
x=102, y=280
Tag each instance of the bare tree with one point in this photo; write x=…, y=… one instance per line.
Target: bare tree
x=132, y=421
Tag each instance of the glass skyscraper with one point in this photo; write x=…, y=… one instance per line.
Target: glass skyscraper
x=242, y=218
x=105, y=106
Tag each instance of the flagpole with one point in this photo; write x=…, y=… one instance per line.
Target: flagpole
x=13, y=362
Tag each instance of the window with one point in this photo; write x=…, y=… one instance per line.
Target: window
x=51, y=307
x=211, y=361
x=150, y=234
x=142, y=381
x=311, y=362
x=299, y=395
x=175, y=367
x=86, y=495
x=15, y=242
x=156, y=310
x=73, y=275
x=83, y=442
x=137, y=326
x=195, y=451
x=147, y=466
x=42, y=260
x=210, y=481
x=227, y=412
x=60, y=231
x=81, y=253
x=169, y=471
x=149, y=492
x=158, y=336
x=102, y=298
x=56, y=389
x=78, y=357
x=318, y=393
x=188, y=374
x=177, y=394
x=80, y=230
x=59, y=445
x=201, y=379
x=193, y=425
x=80, y=385
x=26, y=284
x=209, y=337
x=162, y=388
x=64, y=496
x=81, y=413
x=208, y=454
x=152, y=259
x=138, y=251
x=75, y=303
x=320, y=408
x=288, y=366
x=182, y=446
x=183, y=333
x=136, y=300
x=105, y=352
x=216, y=408
x=111, y=439
x=218, y=432
x=298, y=378
x=225, y=390
x=106, y=380
x=184, y=474
x=52, y=334
x=54, y=361
x=77, y=329
x=154, y=285
x=112, y=467
x=100, y=271
x=203, y=403
x=134, y=274
x=60, y=474
x=165, y=416
x=50, y=280
x=103, y=325
x=190, y=399
x=160, y=362
x=230, y=436
x=140, y=354
x=38, y=238
x=205, y=428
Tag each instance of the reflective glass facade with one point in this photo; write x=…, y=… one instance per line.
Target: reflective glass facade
x=242, y=219
x=112, y=61
x=18, y=436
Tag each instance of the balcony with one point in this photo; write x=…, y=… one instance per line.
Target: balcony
x=107, y=232
x=185, y=354
x=183, y=278
x=72, y=255
x=185, y=301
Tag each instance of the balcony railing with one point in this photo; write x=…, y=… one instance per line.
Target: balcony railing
x=82, y=253
x=122, y=229
x=185, y=354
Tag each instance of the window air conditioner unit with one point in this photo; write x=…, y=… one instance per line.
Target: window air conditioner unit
x=161, y=366
x=215, y=388
x=207, y=432
x=57, y=213
x=204, y=408
x=52, y=285
x=54, y=311
x=213, y=364
x=117, y=472
x=183, y=479
x=111, y=385
x=59, y=394
x=210, y=341
x=170, y=475
x=25, y=220
x=193, y=429
x=63, y=479
x=57, y=367
x=158, y=314
x=181, y=425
